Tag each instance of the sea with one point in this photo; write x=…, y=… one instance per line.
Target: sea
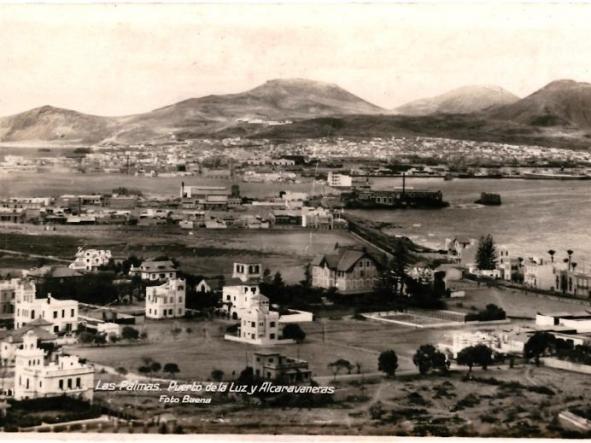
x=534, y=217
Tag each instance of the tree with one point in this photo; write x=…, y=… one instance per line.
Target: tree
x=129, y=333
x=536, y=345
x=480, y=355
x=466, y=358
x=486, y=254
x=427, y=358
x=171, y=368
x=399, y=264
x=155, y=366
x=388, y=362
x=337, y=365
x=121, y=370
x=278, y=280
x=307, y=281
x=294, y=331
x=551, y=252
x=217, y=375
x=86, y=337
x=267, y=275
x=144, y=369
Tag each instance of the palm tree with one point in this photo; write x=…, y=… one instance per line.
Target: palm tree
x=551, y=252
x=570, y=255
x=573, y=266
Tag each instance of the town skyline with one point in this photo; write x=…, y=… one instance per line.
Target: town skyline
x=111, y=48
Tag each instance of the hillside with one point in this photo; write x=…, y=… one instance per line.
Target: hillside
x=465, y=100
x=272, y=101
x=455, y=126
x=55, y=125
x=560, y=103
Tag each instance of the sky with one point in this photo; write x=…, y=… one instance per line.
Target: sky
x=109, y=59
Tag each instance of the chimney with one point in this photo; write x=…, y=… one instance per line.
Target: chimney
x=403, y=182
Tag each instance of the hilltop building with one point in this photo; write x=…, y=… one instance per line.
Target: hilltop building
x=167, y=300
x=351, y=270
x=37, y=376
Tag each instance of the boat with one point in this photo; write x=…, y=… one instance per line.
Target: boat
x=489, y=199
x=551, y=175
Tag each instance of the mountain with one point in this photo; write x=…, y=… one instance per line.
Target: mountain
x=465, y=100
x=559, y=103
x=55, y=125
x=284, y=99
x=273, y=100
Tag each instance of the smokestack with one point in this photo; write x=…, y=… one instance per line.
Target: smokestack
x=403, y=182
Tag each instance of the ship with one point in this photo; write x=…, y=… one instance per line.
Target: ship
x=368, y=198
x=490, y=199
x=552, y=175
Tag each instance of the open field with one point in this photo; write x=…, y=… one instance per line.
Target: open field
x=199, y=347
x=519, y=402
x=206, y=252
x=515, y=302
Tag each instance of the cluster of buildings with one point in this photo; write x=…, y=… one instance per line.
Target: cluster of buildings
x=572, y=327
x=30, y=352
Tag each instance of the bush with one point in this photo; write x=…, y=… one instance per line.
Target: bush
x=130, y=333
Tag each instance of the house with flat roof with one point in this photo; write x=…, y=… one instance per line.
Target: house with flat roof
x=279, y=368
x=36, y=375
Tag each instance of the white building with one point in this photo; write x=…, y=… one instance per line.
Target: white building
x=335, y=180
x=62, y=314
x=258, y=325
x=541, y=274
x=36, y=376
x=242, y=291
x=11, y=340
x=579, y=321
x=167, y=300
x=90, y=259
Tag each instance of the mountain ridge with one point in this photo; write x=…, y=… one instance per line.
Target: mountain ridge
x=463, y=100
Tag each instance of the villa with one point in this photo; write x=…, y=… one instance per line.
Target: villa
x=37, y=375
x=279, y=368
x=351, y=270
x=90, y=259
x=167, y=300
x=62, y=314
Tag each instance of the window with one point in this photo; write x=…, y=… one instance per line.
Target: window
x=272, y=324
x=61, y=384
x=272, y=336
x=54, y=314
x=69, y=383
x=63, y=313
x=78, y=383
x=72, y=313
x=252, y=324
